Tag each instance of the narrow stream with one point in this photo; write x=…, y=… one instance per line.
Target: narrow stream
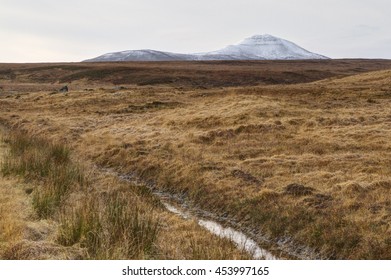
x=241, y=240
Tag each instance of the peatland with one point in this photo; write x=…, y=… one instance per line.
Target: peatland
x=297, y=152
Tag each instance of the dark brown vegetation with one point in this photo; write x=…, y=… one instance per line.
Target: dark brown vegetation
x=188, y=74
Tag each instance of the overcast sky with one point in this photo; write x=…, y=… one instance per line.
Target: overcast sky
x=73, y=30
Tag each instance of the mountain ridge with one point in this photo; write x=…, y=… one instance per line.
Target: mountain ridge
x=257, y=47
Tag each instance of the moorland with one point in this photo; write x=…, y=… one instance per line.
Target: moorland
x=294, y=153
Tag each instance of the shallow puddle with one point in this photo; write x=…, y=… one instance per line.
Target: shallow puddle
x=242, y=241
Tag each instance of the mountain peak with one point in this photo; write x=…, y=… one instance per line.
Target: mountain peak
x=256, y=47
x=262, y=37
x=266, y=47
x=260, y=40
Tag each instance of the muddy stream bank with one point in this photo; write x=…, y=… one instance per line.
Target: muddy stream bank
x=254, y=243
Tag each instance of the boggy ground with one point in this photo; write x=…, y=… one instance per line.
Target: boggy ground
x=52, y=207
x=304, y=162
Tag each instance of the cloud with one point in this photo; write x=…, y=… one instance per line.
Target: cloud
x=360, y=31
x=78, y=29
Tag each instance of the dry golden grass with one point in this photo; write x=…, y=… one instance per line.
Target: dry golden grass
x=310, y=162
x=69, y=216
x=11, y=222
x=22, y=236
x=10, y=226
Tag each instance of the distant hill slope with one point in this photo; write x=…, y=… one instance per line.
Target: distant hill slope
x=258, y=47
x=194, y=74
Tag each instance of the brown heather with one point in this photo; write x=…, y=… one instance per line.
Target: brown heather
x=293, y=150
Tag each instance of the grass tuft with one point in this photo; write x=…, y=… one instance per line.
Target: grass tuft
x=40, y=160
x=114, y=227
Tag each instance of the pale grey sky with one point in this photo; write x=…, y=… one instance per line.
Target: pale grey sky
x=73, y=30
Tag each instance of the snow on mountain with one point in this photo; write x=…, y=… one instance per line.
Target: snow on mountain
x=258, y=47
x=263, y=47
x=141, y=55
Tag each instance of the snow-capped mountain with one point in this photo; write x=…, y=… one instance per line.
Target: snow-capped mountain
x=142, y=55
x=263, y=47
x=258, y=47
